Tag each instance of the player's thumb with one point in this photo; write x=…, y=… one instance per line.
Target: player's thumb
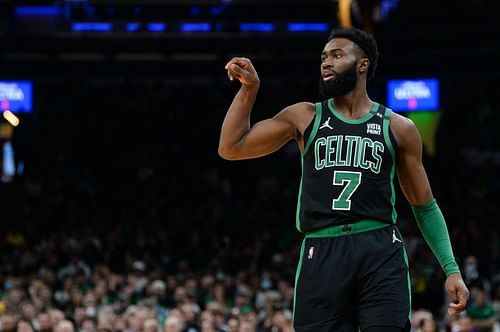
x=463, y=298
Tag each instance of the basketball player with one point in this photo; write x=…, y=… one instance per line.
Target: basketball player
x=353, y=270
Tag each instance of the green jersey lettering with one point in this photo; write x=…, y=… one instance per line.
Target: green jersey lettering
x=350, y=140
x=320, y=163
x=378, y=149
x=360, y=152
x=338, y=155
x=365, y=142
x=330, y=150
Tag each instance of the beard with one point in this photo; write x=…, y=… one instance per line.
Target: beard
x=339, y=86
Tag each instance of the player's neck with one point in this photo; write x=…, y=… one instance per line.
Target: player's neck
x=354, y=104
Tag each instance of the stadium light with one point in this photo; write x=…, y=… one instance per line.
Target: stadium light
x=257, y=27
x=300, y=27
x=92, y=26
x=37, y=10
x=195, y=27
x=11, y=118
x=133, y=26
x=156, y=27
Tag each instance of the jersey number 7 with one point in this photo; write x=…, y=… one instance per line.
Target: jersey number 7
x=351, y=181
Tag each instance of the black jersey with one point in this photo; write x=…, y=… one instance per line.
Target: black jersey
x=348, y=169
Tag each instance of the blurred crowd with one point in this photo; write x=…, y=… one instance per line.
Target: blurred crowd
x=122, y=222
x=78, y=297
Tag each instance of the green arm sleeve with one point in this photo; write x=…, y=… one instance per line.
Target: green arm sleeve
x=431, y=222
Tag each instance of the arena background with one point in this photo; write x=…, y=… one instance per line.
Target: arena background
x=117, y=212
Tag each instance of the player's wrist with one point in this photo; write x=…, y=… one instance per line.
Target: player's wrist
x=251, y=85
x=452, y=271
x=454, y=275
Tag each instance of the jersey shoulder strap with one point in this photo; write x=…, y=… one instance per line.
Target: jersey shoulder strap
x=311, y=131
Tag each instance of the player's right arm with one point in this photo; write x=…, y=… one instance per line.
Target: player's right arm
x=240, y=140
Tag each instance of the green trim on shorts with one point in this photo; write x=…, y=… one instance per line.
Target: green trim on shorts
x=297, y=213
x=299, y=267
x=364, y=225
x=409, y=281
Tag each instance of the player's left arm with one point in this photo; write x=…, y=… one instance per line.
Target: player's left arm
x=415, y=186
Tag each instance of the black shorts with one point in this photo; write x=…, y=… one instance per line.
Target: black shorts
x=352, y=282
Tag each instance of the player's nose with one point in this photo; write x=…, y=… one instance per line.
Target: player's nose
x=326, y=64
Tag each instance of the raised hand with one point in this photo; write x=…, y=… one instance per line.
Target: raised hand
x=242, y=70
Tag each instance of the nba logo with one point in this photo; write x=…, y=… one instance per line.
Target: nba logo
x=310, y=254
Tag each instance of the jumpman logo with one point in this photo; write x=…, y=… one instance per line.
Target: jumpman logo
x=394, y=238
x=326, y=124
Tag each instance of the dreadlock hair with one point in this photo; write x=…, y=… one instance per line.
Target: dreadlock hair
x=364, y=41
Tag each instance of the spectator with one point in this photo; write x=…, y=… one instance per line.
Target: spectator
x=24, y=326
x=233, y=324
x=428, y=325
x=189, y=313
x=464, y=325
x=56, y=316
x=282, y=321
x=28, y=313
x=43, y=322
x=150, y=325
x=174, y=323
x=423, y=321
x=64, y=326
x=481, y=312
x=7, y=322
x=88, y=325
x=247, y=326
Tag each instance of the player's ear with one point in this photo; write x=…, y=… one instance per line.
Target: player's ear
x=363, y=65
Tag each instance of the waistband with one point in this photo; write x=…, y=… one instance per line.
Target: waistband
x=364, y=225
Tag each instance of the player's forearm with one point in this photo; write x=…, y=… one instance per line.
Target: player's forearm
x=433, y=227
x=237, y=121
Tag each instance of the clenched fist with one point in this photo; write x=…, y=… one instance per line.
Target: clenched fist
x=242, y=70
